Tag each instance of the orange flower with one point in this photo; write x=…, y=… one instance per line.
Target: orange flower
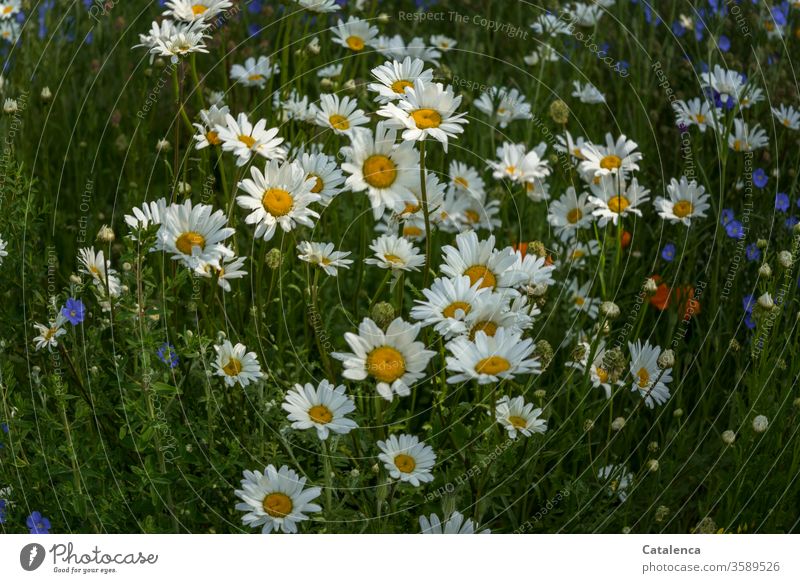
x=626, y=239
x=682, y=296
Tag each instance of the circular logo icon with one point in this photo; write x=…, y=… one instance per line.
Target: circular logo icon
x=31, y=556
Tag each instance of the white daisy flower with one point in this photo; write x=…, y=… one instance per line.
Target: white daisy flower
x=586, y=15
x=244, y=139
x=788, y=116
x=727, y=83
x=159, y=32
x=490, y=359
x=99, y=268
x=386, y=170
x=236, y=365
x=467, y=179
x=650, y=380
x=254, y=73
x=355, y=34
x=340, y=114
x=207, y=134
x=570, y=213
x=9, y=8
x=407, y=459
x=276, y=500
x=184, y=39
x=10, y=31
x=687, y=201
x=324, y=408
x=394, y=359
x=695, y=112
x=193, y=10
x=461, y=212
x=578, y=298
x=535, y=268
x=516, y=163
x=49, y=334
x=597, y=374
x=551, y=25
x=587, y=93
x=328, y=178
x=395, y=253
x=517, y=416
x=194, y=235
x=294, y=106
x=434, y=190
x=503, y=104
x=569, y=146
x=545, y=53
x=442, y=42
x=330, y=71
x=743, y=138
x=147, y=215
x=611, y=203
x=417, y=49
x=575, y=253
x=3, y=252
x=278, y=197
x=231, y=268
x=426, y=109
x=324, y=256
x=618, y=478
x=394, y=76
x=492, y=313
x=481, y=262
x=447, y=304
x=616, y=157
x=319, y=6
x=455, y=524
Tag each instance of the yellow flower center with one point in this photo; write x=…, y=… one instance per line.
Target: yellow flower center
x=577, y=153
x=738, y=145
x=511, y=169
x=577, y=254
x=247, y=140
x=426, y=118
x=618, y=204
x=472, y=216
x=405, y=463
x=379, y=171
x=488, y=327
x=386, y=364
x=189, y=240
x=339, y=122
x=602, y=374
x=411, y=208
x=682, y=208
x=579, y=300
x=481, y=273
x=492, y=366
x=611, y=162
x=786, y=122
x=277, y=505
x=233, y=368
x=700, y=118
x=355, y=42
x=255, y=77
x=517, y=422
x=461, y=181
x=277, y=202
x=8, y=9
x=199, y=9
x=400, y=85
x=574, y=216
x=213, y=138
x=644, y=378
x=394, y=259
x=411, y=231
x=318, y=185
x=320, y=414
x=450, y=311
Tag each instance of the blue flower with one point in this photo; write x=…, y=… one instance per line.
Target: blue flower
x=748, y=303
x=38, y=524
x=668, y=252
x=752, y=252
x=166, y=352
x=735, y=230
x=782, y=202
x=760, y=178
x=74, y=311
x=2, y=511
x=791, y=222
x=726, y=216
x=724, y=43
x=749, y=322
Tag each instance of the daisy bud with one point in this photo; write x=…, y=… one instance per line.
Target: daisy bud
x=614, y=363
x=610, y=310
x=383, y=18
x=765, y=301
x=538, y=290
x=46, y=94
x=74, y=278
x=662, y=512
x=160, y=62
x=761, y=243
x=539, y=394
x=677, y=413
x=796, y=229
x=382, y=314
x=184, y=188
x=626, y=530
x=155, y=317
x=578, y=353
x=121, y=143
x=163, y=146
x=652, y=465
x=559, y=111
x=544, y=352
x=588, y=425
x=189, y=448
x=354, y=473
x=796, y=403
x=553, y=159
x=706, y=526
x=313, y=47
x=728, y=437
x=94, y=370
x=10, y=106
x=780, y=364
x=127, y=266
x=326, y=84
x=350, y=86
x=148, y=72
x=666, y=360
x=537, y=248
x=106, y=234
x=734, y=345
x=760, y=424
x=765, y=271
x=375, y=468
x=618, y=423
x=650, y=286
x=652, y=447
x=273, y=258
x=785, y=259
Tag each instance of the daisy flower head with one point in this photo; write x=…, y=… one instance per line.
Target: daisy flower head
x=194, y=10
x=455, y=524
x=517, y=164
x=319, y=6
x=614, y=198
x=417, y=48
x=10, y=31
x=323, y=408
x=587, y=93
x=648, y=378
x=9, y=8
x=744, y=138
x=426, y=109
x=230, y=268
x=442, y=42
x=340, y=114
x=491, y=359
x=244, y=139
x=50, y=333
x=580, y=301
x=447, y=304
x=695, y=112
x=466, y=179
x=326, y=174
x=687, y=200
x=207, y=133
x=504, y=104
x=194, y=235
x=726, y=83
x=294, y=106
x=616, y=157
x=254, y=73
x=481, y=262
x=536, y=269
x=492, y=312
x=598, y=375
x=395, y=253
x=278, y=197
x=323, y=256
x=182, y=40
x=618, y=478
x=569, y=146
x=355, y=34
x=381, y=167
x=99, y=269
x=394, y=359
x=394, y=76
x=3, y=252
x=407, y=459
x=787, y=116
x=570, y=213
x=276, y=500
x=236, y=365
x=517, y=416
